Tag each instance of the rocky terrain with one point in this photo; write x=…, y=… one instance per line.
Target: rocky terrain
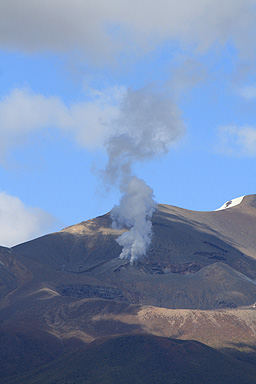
x=68, y=294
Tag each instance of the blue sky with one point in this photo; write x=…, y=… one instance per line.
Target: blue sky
x=69, y=74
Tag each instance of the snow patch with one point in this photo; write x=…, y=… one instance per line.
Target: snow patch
x=231, y=203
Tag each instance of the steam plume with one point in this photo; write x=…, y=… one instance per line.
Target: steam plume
x=148, y=124
x=135, y=211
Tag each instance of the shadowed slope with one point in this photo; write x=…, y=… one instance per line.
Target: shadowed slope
x=141, y=359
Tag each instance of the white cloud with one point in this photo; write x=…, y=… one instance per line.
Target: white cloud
x=23, y=111
x=102, y=28
x=148, y=118
x=237, y=141
x=248, y=92
x=19, y=223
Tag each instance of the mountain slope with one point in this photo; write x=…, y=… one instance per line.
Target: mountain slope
x=141, y=359
x=63, y=291
x=176, y=270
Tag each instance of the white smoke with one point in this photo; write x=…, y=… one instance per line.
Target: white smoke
x=135, y=212
x=148, y=124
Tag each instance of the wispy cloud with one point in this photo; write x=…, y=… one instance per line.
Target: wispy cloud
x=237, y=141
x=23, y=112
x=248, y=92
x=19, y=222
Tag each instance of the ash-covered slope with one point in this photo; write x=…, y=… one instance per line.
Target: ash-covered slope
x=200, y=260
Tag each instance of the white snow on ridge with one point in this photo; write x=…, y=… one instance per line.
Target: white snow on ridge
x=231, y=203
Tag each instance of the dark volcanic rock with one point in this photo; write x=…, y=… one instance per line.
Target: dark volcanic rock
x=160, y=269
x=182, y=269
x=225, y=304
x=91, y=291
